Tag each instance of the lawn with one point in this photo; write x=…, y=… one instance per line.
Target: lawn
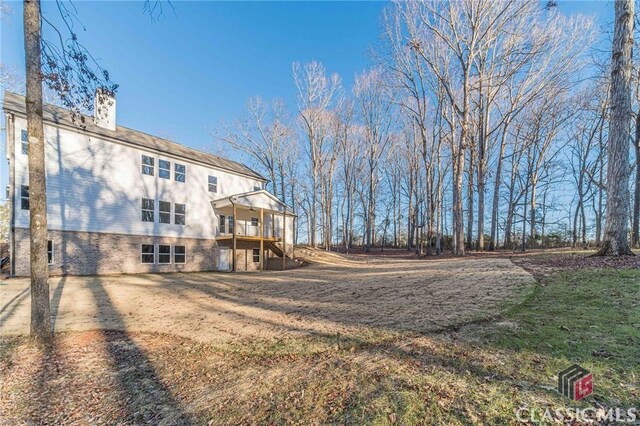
x=477, y=373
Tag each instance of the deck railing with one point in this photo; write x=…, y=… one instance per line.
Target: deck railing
x=246, y=229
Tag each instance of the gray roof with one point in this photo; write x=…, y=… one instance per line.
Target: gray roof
x=55, y=114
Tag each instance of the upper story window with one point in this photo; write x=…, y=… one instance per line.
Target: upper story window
x=24, y=197
x=254, y=221
x=148, y=208
x=213, y=184
x=256, y=188
x=179, y=214
x=147, y=165
x=24, y=141
x=164, y=169
x=164, y=214
x=180, y=172
x=50, y=252
x=230, y=219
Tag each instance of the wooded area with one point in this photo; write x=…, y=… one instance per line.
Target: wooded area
x=480, y=125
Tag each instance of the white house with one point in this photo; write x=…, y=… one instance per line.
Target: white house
x=123, y=201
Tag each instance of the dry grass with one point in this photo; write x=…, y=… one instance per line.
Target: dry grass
x=479, y=373
x=344, y=297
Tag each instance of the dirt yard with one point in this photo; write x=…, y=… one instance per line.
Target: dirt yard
x=330, y=296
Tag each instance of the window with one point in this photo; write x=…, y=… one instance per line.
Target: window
x=256, y=188
x=147, y=165
x=24, y=140
x=165, y=212
x=179, y=254
x=179, y=214
x=164, y=169
x=213, y=184
x=164, y=254
x=256, y=255
x=181, y=172
x=230, y=224
x=221, y=224
x=148, y=207
x=254, y=221
x=24, y=197
x=148, y=253
x=50, y=252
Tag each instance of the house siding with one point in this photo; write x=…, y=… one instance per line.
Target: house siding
x=96, y=185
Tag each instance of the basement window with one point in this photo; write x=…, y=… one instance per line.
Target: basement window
x=180, y=172
x=24, y=140
x=256, y=255
x=164, y=169
x=50, y=252
x=179, y=254
x=147, y=165
x=179, y=214
x=24, y=197
x=148, y=253
x=165, y=212
x=164, y=254
x=148, y=208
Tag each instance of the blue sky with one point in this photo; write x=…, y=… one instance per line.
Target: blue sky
x=181, y=76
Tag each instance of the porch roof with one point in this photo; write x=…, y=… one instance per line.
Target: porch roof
x=255, y=199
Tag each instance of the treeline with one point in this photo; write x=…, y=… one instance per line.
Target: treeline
x=481, y=124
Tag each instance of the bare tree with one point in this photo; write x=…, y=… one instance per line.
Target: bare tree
x=316, y=95
x=374, y=103
x=264, y=136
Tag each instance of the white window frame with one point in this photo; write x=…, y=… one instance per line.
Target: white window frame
x=176, y=214
x=181, y=254
x=24, y=141
x=23, y=198
x=142, y=210
x=164, y=169
x=51, y=261
x=142, y=254
x=165, y=212
x=164, y=254
x=176, y=173
x=151, y=166
x=213, y=186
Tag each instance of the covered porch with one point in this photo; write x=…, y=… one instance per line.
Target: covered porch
x=252, y=228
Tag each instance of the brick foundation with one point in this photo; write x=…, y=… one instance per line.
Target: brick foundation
x=86, y=253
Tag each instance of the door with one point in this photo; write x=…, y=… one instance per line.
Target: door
x=223, y=261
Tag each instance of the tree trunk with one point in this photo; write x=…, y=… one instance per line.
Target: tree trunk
x=40, y=308
x=615, y=233
x=496, y=193
x=635, y=238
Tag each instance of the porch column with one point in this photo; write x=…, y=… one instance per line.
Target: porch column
x=261, y=234
x=235, y=226
x=284, y=240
